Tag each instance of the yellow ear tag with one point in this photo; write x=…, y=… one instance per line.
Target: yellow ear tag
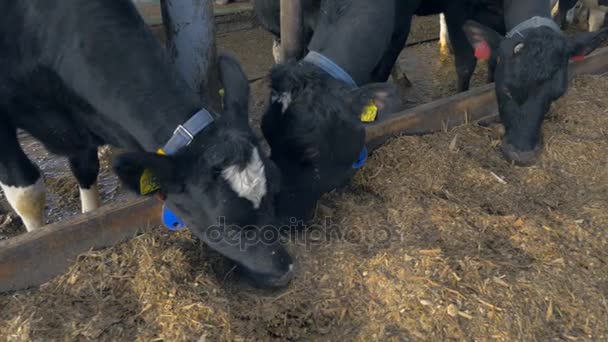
x=369, y=112
x=147, y=183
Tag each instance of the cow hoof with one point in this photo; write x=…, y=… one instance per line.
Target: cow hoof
x=520, y=158
x=444, y=50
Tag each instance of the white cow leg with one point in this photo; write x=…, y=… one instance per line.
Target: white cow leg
x=20, y=179
x=28, y=201
x=276, y=51
x=596, y=19
x=89, y=198
x=444, y=38
x=85, y=167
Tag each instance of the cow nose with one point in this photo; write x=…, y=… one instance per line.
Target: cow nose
x=518, y=157
x=284, y=279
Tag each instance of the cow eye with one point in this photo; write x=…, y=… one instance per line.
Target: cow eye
x=518, y=48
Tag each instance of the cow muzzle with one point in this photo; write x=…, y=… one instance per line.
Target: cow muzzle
x=519, y=157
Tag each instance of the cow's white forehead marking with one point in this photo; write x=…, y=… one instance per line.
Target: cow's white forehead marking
x=250, y=182
x=283, y=98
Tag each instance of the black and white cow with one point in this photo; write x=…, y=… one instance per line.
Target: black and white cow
x=80, y=74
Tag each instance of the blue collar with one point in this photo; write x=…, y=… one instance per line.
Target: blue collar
x=327, y=65
x=361, y=160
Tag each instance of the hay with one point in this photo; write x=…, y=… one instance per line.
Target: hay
x=145, y=290
x=437, y=238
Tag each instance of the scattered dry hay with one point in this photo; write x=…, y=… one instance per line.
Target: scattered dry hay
x=143, y=290
x=437, y=238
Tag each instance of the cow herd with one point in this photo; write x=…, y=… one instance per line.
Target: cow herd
x=77, y=75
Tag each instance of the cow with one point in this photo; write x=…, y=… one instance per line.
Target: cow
x=531, y=70
x=592, y=10
x=313, y=120
x=77, y=75
x=527, y=57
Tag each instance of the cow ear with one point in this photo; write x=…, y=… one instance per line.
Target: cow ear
x=383, y=95
x=583, y=44
x=236, y=89
x=484, y=40
x=148, y=173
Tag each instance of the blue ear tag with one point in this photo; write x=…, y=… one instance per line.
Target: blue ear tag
x=170, y=220
x=362, y=158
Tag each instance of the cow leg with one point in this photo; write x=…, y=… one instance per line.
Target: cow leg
x=491, y=69
x=21, y=180
x=464, y=57
x=276, y=50
x=444, y=38
x=85, y=167
x=596, y=19
x=383, y=70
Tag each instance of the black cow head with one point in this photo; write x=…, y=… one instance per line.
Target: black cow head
x=222, y=186
x=313, y=127
x=531, y=73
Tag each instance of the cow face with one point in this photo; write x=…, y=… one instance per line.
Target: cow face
x=313, y=127
x=531, y=73
x=222, y=186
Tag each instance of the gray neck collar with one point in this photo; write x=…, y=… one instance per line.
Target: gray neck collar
x=330, y=67
x=533, y=22
x=185, y=133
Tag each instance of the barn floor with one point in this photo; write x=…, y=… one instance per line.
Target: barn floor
x=436, y=238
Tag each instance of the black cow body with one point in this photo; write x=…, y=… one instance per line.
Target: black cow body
x=80, y=74
x=268, y=13
x=456, y=13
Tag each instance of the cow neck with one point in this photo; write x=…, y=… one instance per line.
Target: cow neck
x=330, y=67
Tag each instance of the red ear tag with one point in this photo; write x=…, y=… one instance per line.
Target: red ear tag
x=577, y=58
x=482, y=51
